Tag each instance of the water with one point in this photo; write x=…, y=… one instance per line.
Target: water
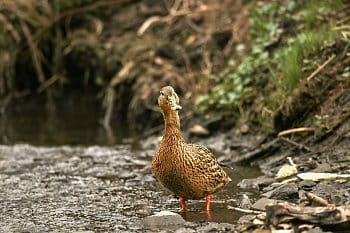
x=230, y=195
x=73, y=120
x=69, y=120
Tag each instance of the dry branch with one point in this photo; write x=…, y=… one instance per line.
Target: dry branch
x=276, y=214
x=313, y=74
x=316, y=199
x=295, y=130
x=246, y=211
x=35, y=52
x=172, y=14
x=299, y=145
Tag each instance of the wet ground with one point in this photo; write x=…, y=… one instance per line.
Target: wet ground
x=101, y=189
x=71, y=175
x=52, y=179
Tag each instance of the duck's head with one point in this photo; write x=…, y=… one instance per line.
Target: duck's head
x=168, y=99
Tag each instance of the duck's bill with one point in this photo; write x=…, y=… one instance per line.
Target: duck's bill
x=174, y=105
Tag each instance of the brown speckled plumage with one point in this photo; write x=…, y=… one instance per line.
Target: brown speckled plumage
x=190, y=171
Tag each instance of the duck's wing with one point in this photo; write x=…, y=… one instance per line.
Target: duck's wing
x=202, y=151
x=203, y=159
x=205, y=153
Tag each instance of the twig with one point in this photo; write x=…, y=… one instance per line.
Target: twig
x=48, y=83
x=328, y=215
x=299, y=145
x=295, y=130
x=110, y=93
x=320, y=67
x=290, y=180
x=314, y=198
x=291, y=161
x=4, y=102
x=151, y=21
x=34, y=51
x=109, y=103
x=167, y=18
x=245, y=210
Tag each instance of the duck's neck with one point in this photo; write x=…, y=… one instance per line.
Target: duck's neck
x=172, y=130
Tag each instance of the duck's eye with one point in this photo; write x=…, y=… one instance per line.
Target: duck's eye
x=161, y=93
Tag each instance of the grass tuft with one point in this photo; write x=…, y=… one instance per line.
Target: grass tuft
x=290, y=59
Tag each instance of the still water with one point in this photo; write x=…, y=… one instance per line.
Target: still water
x=69, y=120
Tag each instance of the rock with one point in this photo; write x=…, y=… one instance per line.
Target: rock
x=245, y=202
x=211, y=227
x=329, y=193
x=323, y=167
x=163, y=219
x=246, y=219
x=226, y=227
x=83, y=232
x=198, y=130
x=286, y=171
x=306, y=185
x=317, y=230
x=256, y=183
x=191, y=224
x=216, y=227
x=262, y=203
x=284, y=192
x=185, y=230
x=244, y=129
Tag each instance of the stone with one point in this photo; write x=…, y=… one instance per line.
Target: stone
x=210, y=227
x=163, y=219
x=262, y=203
x=284, y=192
x=256, y=183
x=185, y=230
x=317, y=230
x=198, y=130
x=246, y=219
x=226, y=227
x=306, y=185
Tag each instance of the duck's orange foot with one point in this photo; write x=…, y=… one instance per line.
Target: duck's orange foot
x=183, y=204
x=207, y=200
x=207, y=208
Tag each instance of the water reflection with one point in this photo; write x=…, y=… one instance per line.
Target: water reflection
x=72, y=120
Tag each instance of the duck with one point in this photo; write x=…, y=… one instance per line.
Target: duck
x=190, y=171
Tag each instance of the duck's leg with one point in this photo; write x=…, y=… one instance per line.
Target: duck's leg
x=183, y=204
x=207, y=200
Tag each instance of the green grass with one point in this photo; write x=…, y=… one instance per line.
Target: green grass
x=290, y=59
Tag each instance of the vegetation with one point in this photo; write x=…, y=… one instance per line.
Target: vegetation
x=125, y=50
x=242, y=58
x=285, y=40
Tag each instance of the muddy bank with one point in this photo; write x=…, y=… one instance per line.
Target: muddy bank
x=98, y=189
x=66, y=189
x=112, y=189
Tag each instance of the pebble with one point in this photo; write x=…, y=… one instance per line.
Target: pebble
x=262, y=203
x=284, y=192
x=163, y=218
x=185, y=230
x=256, y=183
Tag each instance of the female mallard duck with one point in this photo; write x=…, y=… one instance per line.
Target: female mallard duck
x=190, y=171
